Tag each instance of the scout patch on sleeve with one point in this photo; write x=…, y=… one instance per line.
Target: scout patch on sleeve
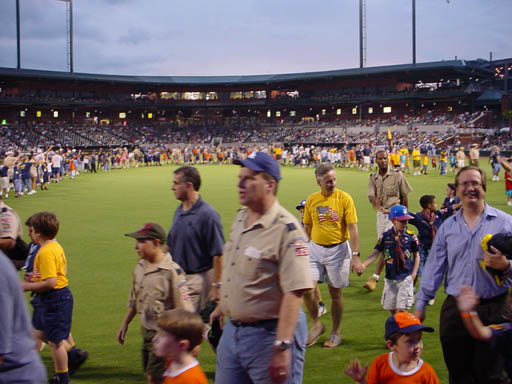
x=301, y=247
x=157, y=309
x=5, y=223
x=183, y=288
x=291, y=227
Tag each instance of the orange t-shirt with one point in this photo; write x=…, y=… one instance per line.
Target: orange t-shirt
x=193, y=374
x=383, y=371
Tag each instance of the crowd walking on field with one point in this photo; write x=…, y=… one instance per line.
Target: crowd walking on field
x=244, y=294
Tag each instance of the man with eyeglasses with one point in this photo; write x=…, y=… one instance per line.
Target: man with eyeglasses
x=457, y=254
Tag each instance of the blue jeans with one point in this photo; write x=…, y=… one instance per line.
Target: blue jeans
x=443, y=167
x=18, y=186
x=244, y=353
x=27, y=183
x=423, y=259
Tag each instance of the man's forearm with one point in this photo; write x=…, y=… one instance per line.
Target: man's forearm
x=354, y=237
x=307, y=229
x=217, y=268
x=7, y=243
x=288, y=315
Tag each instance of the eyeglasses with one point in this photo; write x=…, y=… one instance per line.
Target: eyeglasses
x=473, y=184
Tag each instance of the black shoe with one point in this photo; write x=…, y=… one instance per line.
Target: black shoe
x=79, y=359
x=56, y=380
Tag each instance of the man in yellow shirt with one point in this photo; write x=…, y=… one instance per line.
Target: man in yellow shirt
x=330, y=220
x=416, y=158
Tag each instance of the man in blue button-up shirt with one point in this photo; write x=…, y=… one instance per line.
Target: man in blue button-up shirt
x=457, y=252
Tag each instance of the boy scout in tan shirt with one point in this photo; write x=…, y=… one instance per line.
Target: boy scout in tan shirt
x=158, y=285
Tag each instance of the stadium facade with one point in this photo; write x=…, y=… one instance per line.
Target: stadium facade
x=456, y=86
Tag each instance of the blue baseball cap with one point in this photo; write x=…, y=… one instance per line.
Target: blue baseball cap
x=405, y=323
x=261, y=162
x=302, y=204
x=400, y=213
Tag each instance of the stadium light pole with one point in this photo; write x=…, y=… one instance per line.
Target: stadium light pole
x=69, y=25
x=18, y=44
x=71, y=36
x=362, y=33
x=414, y=31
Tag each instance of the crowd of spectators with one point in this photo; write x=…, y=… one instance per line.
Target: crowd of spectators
x=407, y=131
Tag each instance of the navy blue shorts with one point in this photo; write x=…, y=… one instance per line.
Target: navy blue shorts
x=53, y=313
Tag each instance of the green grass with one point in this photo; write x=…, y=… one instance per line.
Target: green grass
x=96, y=210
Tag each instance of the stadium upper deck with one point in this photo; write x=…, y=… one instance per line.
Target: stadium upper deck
x=456, y=85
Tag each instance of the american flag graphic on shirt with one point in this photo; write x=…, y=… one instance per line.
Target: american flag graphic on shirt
x=327, y=214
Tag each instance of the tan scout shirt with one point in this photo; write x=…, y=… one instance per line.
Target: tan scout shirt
x=10, y=224
x=474, y=154
x=156, y=289
x=460, y=155
x=261, y=263
x=389, y=189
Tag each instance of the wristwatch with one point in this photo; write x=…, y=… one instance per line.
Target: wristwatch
x=356, y=253
x=282, y=345
x=217, y=285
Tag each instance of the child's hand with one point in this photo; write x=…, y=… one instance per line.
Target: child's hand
x=356, y=371
x=467, y=299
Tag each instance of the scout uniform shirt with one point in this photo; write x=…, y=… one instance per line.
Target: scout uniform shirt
x=157, y=288
x=261, y=263
x=10, y=225
x=388, y=188
x=395, y=268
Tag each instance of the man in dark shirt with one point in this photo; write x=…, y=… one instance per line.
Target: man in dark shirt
x=196, y=238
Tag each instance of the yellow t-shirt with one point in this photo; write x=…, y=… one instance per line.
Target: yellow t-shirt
x=51, y=262
x=329, y=217
x=416, y=155
x=425, y=160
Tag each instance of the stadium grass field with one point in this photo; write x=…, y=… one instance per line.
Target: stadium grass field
x=96, y=210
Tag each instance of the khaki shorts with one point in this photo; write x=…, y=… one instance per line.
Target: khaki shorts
x=153, y=365
x=331, y=264
x=4, y=182
x=398, y=294
x=383, y=223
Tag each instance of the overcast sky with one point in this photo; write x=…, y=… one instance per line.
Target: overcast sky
x=228, y=37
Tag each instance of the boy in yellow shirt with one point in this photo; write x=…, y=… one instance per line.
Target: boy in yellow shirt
x=53, y=312
x=425, y=164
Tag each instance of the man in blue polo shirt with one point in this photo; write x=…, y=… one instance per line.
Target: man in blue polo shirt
x=196, y=238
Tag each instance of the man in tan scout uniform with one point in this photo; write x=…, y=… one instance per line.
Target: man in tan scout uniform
x=386, y=188
x=158, y=285
x=264, y=275
x=10, y=230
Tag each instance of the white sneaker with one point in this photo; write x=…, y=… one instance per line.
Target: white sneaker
x=509, y=203
x=322, y=310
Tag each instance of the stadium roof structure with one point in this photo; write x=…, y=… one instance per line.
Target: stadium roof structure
x=421, y=71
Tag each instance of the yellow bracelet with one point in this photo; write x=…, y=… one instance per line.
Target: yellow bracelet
x=468, y=315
